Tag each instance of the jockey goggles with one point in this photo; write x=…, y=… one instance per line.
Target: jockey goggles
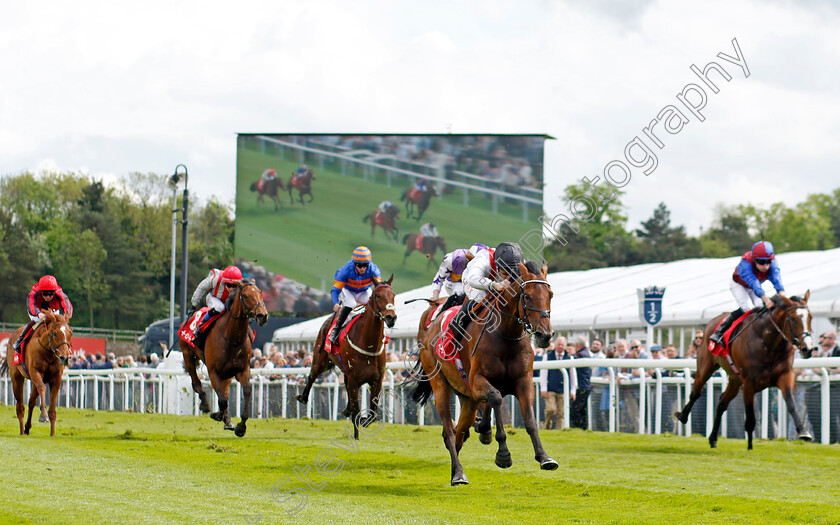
x=362, y=265
x=762, y=261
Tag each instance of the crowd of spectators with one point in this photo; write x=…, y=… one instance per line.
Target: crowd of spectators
x=283, y=294
x=513, y=160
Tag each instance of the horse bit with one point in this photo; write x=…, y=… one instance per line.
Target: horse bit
x=523, y=320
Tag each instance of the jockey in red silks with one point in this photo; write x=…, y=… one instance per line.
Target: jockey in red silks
x=269, y=175
x=449, y=276
x=756, y=266
x=45, y=295
x=353, y=286
x=217, y=285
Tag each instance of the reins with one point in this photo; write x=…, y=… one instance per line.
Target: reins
x=377, y=313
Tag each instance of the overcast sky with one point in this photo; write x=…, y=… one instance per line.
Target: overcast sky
x=110, y=88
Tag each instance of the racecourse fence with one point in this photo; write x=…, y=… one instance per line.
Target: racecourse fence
x=369, y=166
x=619, y=401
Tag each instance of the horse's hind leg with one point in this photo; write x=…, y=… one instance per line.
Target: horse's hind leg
x=443, y=394
x=17, y=388
x=727, y=396
x=462, y=430
x=525, y=395
x=222, y=387
x=494, y=398
x=244, y=379
x=706, y=366
x=483, y=427
x=320, y=362
x=189, y=365
x=786, y=383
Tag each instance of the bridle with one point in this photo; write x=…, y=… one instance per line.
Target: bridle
x=800, y=337
x=378, y=311
x=523, y=317
x=51, y=331
x=250, y=313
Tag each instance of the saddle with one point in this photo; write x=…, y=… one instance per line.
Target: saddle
x=379, y=218
x=445, y=346
x=186, y=333
x=414, y=195
x=352, y=318
x=723, y=350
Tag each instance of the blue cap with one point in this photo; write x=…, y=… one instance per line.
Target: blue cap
x=656, y=348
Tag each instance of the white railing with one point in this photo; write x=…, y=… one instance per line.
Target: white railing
x=620, y=401
x=369, y=167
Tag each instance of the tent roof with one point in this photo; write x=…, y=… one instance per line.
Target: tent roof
x=604, y=298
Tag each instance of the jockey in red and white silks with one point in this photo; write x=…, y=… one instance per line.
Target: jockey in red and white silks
x=217, y=285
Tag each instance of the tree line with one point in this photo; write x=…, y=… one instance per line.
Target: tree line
x=605, y=240
x=109, y=247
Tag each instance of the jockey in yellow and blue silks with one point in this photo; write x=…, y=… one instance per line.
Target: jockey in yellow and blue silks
x=353, y=286
x=755, y=267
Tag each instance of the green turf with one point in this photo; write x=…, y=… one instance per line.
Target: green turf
x=308, y=243
x=111, y=467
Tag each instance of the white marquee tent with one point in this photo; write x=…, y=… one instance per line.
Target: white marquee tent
x=605, y=301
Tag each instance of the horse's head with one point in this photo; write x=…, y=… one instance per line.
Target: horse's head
x=250, y=297
x=534, y=308
x=382, y=303
x=58, y=336
x=797, y=320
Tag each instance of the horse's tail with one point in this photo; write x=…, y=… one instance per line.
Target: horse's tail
x=406, y=238
x=367, y=217
x=423, y=391
x=4, y=368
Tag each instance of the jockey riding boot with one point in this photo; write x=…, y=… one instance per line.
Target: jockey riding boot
x=19, y=341
x=461, y=320
x=210, y=313
x=717, y=337
x=452, y=300
x=342, y=316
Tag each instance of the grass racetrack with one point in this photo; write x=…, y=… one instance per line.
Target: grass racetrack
x=309, y=243
x=112, y=467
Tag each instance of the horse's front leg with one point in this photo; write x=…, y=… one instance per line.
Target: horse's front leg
x=55, y=388
x=749, y=410
x=320, y=362
x=525, y=395
x=222, y=387
x=483, y=390
x=244, y=378
x=727, y=396
x=786, y=384
x=189, y=365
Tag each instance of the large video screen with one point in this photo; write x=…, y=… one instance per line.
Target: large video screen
x=304, y=202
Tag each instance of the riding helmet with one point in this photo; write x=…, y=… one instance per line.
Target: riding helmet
x=763, y=250
x=231, y=273
x=508, y=255
x=47, y=283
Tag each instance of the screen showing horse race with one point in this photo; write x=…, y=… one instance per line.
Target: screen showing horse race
x=304, y=202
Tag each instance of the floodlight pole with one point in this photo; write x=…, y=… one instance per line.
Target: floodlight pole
x=172, y=270
x=185, y=227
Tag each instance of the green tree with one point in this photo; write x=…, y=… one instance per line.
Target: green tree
x=660, y=242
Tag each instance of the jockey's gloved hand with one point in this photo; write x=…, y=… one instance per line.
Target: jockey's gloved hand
x=191, y=311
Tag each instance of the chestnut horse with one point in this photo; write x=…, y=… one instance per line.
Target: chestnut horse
x=389, y=221
x=45, y=356
x=227, y=353
x=763, y=354
x=269, y=188
x=303, y=183
x=422, y=200
x=430, y=246
x=361, y=355
x=498, y=361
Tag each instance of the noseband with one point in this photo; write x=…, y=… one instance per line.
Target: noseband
x=250, y=313
x=800, y=337
x=51, y=332
x=388, y=307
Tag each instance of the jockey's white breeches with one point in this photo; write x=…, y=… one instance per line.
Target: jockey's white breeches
x=744, y=296
x=351, y=299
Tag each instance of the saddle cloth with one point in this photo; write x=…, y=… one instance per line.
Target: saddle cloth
x=434, y=315
x=723, y=350
x=352, y=318
x=445, y=346
x=186, y=333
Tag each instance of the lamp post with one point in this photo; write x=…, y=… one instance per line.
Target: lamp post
x=173, y=183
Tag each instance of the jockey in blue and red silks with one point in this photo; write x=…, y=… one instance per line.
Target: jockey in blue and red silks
x=449, y=276
x=353, y=286
x=217, y=285
x=45, y=295
x=756, y=266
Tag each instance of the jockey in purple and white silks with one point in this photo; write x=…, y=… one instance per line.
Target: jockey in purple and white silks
x=449, y=275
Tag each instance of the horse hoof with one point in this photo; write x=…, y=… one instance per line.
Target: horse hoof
x=229, y=426
x=301, y=399
x=459, y=480
x=806, y=436
x=503, y=461
x=486, y=438
x=204, y=407
x=713, y=444
x=549, y=464
x=43, y=419
x=240, y=430
x=218, y=416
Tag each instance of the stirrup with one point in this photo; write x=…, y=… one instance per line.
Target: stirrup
x=716, y=338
